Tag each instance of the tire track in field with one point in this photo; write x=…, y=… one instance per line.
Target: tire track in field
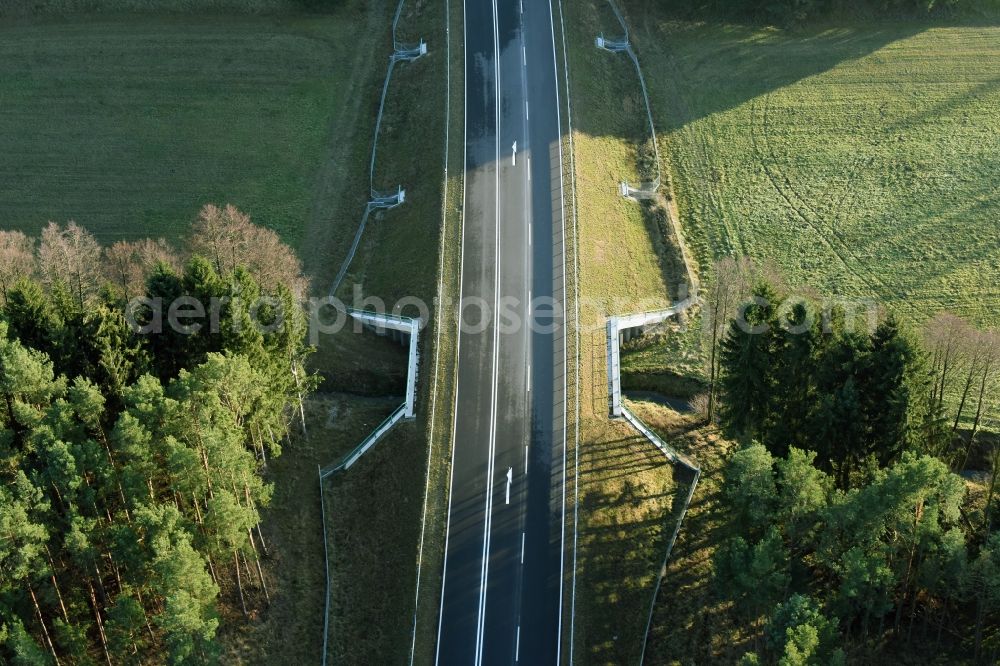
x=886, y=291
x=901, y=294
x=713, y=201
x=805, y=201
x=827, y=233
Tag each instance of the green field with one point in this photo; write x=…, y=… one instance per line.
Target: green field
x=129, y=124
x=861, y=159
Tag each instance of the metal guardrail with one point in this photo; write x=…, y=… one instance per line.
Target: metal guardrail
x=410, y=327
x=663, y=566
x=377, y=201
x=407, y=410
x=615, y=325
x=367, y=443
x=646, y=190
x=381, y=200
x=624, y=45
x=326, y=560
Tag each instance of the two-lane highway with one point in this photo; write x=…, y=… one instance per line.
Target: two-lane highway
x=501, y=600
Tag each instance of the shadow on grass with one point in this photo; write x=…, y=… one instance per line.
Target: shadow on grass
x=729, y=64
x=690, y=625
x=630, y=498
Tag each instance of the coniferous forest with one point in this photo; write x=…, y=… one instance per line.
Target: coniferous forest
x=847, y=525
x=133, y=454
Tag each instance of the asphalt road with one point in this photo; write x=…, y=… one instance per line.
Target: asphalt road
x=501, y=600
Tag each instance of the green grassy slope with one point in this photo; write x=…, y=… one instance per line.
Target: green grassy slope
x=862, y=160
x=129, y=124
x=626, y=488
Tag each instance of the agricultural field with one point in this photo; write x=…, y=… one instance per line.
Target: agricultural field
x=862, y=160
x=128, y=124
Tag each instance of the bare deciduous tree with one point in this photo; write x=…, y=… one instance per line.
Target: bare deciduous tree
x=129, y=263
x=17, y=258
x=70, y=256
x=984, y=381
x=945, y=337
x=730, y=286
x=229, y=239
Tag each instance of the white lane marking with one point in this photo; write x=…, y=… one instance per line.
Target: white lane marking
x=526, y=115
x=524, y=56
x=485, y=567
x=510, y=480
x=529, y=168
x=525, y=473
x=458, y=327
x=522, y=6
x=517, y=645
x=513, y=153
x=529, y=234
x=522, y=547
x=562, y=239
x=529, y=377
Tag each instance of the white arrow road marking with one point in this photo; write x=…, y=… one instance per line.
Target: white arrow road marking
x=510, y=479
x=513, y=153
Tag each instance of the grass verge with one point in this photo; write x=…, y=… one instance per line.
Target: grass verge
x=698, y=630
x=626, y=488
x=437, y=392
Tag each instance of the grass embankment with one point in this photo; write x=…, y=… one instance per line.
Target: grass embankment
x=439, y=363
x=689, y=623
x=375, y=511
x=862, y=159
x=626, y=486
x=291, y=629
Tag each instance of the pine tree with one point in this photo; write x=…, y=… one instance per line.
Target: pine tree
x=793, y=397
x=749, y=492
x=747, y=362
